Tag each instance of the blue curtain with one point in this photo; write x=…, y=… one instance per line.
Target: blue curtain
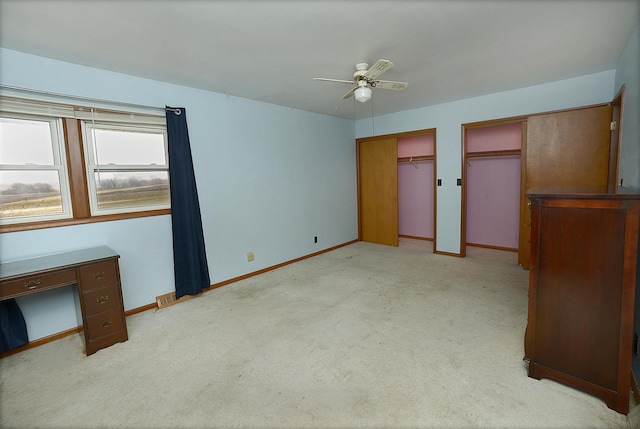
x=13, y=330
x=189, y=257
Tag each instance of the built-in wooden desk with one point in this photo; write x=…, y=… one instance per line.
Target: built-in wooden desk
x=96, y=273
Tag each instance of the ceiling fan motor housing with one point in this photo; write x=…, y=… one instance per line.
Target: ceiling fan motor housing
x=361, y=70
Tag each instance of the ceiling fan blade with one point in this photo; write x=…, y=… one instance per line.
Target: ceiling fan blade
x=350, y=82
x=389, y=84
x=378, y=68
x=350, y=93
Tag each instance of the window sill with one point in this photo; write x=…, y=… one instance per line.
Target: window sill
x=93, y=219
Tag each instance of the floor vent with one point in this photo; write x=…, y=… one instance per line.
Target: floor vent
x=168, y=299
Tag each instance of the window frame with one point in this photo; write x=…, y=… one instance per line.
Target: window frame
x=92, y=164
x=59, y=166
x=72, y=153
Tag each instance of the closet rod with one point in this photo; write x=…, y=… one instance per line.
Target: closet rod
x=80, y=98
x=491, y=153
x=416, y=158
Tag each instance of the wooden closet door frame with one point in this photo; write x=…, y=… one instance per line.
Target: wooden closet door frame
x=431, y=131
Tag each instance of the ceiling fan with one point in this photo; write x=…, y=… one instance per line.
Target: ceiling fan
x=365, y=78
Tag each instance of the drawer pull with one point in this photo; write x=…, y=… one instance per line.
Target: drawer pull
x=106, y=323
x=98, y=276
x=32, y=284
x=102, y=299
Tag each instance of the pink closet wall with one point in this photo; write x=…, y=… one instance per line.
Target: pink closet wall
x=415, y=187
x=421, y=145
x=493, y=201
x=493, y=187
x=498, y=137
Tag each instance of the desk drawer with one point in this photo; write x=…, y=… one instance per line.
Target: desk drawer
x=105, y=324
x=98, y=275
x=37, y=283
x=100, y=300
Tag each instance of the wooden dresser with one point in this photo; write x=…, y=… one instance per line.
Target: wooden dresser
x=582, y=282
x=96, y=273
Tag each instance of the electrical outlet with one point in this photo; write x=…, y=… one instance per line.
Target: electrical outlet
x=249, y=256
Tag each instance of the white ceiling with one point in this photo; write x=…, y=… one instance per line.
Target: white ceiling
x=272, y=50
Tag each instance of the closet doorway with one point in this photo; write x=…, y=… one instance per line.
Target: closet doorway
x=396, y=187
x=575, y=147
x=492, y=188
x=416, y=197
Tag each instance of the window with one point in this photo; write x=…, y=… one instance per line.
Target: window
x=127, y=168
x=62, y=164
x=33, y=173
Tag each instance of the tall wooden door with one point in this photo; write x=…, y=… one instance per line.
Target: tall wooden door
x=378, y=179
x=569, y=148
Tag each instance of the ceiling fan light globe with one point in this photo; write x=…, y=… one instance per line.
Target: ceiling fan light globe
x=363, y=94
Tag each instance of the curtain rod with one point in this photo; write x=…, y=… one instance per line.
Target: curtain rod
x=87, y=99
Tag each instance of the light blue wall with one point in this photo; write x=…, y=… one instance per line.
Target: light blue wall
x=628, y=73
x=448, y=119
x=270, y=178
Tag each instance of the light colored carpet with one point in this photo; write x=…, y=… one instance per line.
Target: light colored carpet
x=364, y=336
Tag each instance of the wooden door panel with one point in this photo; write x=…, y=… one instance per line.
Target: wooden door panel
x=379, y=191
x=569, y=148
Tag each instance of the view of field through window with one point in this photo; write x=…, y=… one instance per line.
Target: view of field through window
x=29, y=193
x=30, y=177
x=33, y=180
x=129, y=167
x=122, y=189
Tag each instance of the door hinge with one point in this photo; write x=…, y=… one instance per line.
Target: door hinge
x=613, y=126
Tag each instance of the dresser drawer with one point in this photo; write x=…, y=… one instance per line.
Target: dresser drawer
x=36, y=283
x=105, y=324
x=99, y=300
x=98, y=275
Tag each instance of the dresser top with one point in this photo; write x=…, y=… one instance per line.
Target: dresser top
x=58, y=260
x=584, y=192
